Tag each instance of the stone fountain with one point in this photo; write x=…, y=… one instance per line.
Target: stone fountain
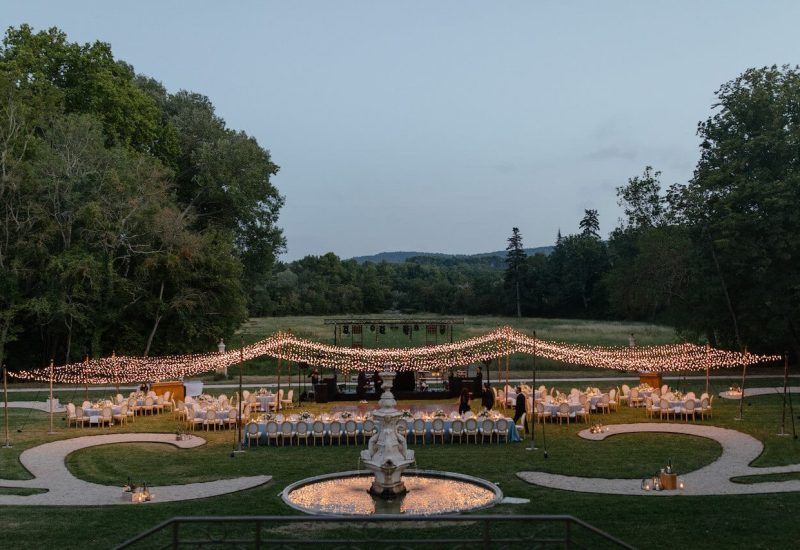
x=387, y=454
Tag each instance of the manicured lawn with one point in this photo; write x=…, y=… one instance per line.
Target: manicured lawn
x=757, y=521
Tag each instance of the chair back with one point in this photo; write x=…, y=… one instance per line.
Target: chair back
x=563, y=408
x=290, y=395
x=107, y=412
x=301, y=428
x=232, y=414
x=540, y=409
x=271, y=428
x=211, y=415
x=286, y=428
x=457, y=426
x=664, y=389
x=437, y=425
x=350, y=427
x=252, y=428
x=663, y=404
x=471, y=425
x=688, y=405
x=501, y=426
x=487, y=425
x=335, y=428
x=123, y=410
x=318, y=428
x=148, y=401
x=419, y=426
x=71, y=409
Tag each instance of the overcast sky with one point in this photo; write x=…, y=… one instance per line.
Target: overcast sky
x=439, y=125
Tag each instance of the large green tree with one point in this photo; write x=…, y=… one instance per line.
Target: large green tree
x=515, y=262
x=741, y=206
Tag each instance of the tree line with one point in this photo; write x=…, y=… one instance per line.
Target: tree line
x=717, y=257
x=134, y=220
x=131, y=219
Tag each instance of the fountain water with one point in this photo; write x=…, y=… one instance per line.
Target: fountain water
x=387, y=457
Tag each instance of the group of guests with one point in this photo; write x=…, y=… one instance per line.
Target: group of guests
x=487, y=402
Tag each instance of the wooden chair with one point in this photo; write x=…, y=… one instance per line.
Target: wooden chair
x=437, y=429
x=368, y=429
x=564, y=411
x=273, y=431
x=301, y=432
x=288, y=403
x=122, y=416
x=502, y=427
x=287, y=432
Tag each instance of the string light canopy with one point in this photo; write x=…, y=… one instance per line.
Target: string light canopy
x=498, y=343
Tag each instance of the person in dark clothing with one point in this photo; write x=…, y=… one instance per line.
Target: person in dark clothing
x=361, y=384
x=463, y=401
x=519, y=408
x=314, y=374
x=377, y=383
x=488, y=397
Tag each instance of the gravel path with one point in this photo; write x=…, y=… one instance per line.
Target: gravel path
x=38, y=405
x=738, y=451
x=46, y=463
x=750, y=392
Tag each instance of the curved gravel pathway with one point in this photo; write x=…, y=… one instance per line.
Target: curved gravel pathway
x=47, y=464
x=750, y=392
x=38, y=405
x=738, y=451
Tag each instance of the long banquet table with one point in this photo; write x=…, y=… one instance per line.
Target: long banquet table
x=513, y=434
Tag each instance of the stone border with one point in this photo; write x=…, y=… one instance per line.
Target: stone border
x=738, y=451
x=47, y=464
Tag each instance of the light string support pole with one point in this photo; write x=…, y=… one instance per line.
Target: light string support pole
x=7, y=444
x=785, y=393
x=708, y=363
x=240, y=404
x=532, y=418
x=52, y=368
x=741, y=399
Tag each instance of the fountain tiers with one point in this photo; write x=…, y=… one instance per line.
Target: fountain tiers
x=387, y=455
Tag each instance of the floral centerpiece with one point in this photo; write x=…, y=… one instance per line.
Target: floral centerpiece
x=262, y=391
x=305, y=415
x=346, y=415
x=439, y=413
x=484, y=414
x=405, y=414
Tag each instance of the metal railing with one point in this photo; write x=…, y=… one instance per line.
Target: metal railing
x=375, y=532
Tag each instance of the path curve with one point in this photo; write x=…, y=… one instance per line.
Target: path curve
x=738, y=451
x=38, y=405
x=750, y=392
x=47, y=464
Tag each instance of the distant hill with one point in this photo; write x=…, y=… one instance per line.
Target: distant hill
x=399, y=257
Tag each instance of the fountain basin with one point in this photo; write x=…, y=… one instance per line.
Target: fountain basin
x=428, y=493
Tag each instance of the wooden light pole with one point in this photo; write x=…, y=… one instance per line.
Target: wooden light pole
x=5, y=393
x=52, y=368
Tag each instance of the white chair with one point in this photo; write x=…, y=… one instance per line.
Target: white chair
x=564, y=411
x=542, y=414
x=418, y=430
x=122, y=416
x=437, y=429
x=318, y=432
x=252, y=433
x=287, y=432
x=301, y=432
x=107, y=417
x=273, y=431
x=613, y=402
x=604, y=405
x=71, y=415
x=211, y=420
x=664, y=389
x=335, y=432
x=288, y=403
x=230, y=420
x=471, y=429
x=688, y=409
x=502, y=427
x=456, y=430
x=368, y=429
x=487, y=429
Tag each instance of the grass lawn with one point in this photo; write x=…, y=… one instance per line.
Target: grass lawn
x=753, y=521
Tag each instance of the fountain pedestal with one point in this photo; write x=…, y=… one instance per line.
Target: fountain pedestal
x=387, y=454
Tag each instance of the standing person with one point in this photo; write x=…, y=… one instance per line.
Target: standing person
x=377, y=383
x=631, y=341
x=361, y=384
x=488, y=397
x=314, y=377
x=463, y=401
x=519, y=407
